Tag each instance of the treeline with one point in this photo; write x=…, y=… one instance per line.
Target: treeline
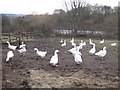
x=79, y=16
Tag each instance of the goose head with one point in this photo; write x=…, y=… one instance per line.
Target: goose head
x=22, y=43
x=56, y=51
x=35, y=49
x=104, y=48
x=7, y=42
x=81, y=41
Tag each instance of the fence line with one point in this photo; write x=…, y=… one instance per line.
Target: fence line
x=16, y=37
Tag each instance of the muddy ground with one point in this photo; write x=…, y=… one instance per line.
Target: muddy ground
x=30, y=71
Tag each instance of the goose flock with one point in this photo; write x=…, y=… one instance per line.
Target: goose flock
x=75, y=51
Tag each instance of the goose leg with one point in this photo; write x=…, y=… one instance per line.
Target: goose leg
x=7, y=61
x=101, y=58
x=56, y=65
x=42, y=58
x=23, y=54
x=78, y=63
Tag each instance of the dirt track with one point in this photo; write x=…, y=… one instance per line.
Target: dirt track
x=30, y=71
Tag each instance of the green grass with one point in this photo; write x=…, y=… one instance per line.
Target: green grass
x=96, y=41
x=13, y=38
x=6, y=38
x=107, y=42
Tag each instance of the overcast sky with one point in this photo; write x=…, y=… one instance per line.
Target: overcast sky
x=43, y=6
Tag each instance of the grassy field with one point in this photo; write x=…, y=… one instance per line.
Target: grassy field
x=99, y=46
x=107, y=42
x=13, y=39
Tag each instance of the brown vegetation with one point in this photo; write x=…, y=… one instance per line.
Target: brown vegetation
x=80, y=16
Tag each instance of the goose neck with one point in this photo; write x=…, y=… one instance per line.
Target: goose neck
x=8, y=43
x=55, y=53
x=36, y=50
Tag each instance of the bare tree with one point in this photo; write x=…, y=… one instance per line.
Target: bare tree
x=77, y=12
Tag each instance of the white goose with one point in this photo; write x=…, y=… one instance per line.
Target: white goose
x=40, y=53
x=72, y=40
x=10, y=54
x=113, y=44
x=61, y=41
x=90, y=42
x=64, y=44
x=74, y=50
x=77, y=57
x=81, y=42
x=22, y=45
x=54, y=59
x=22, y=50
x=80, y=46
x=11, y=46
x=101, y=42
x=73, y=44
x=84, y=43
x=92, y=50
x=102, y=53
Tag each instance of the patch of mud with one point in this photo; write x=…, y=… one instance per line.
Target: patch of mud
x=30, y=71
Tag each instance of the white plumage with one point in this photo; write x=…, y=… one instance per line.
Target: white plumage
x=90, y=42
x=9, y=55
x=74, y=50
x=81, y=42
x=102, y=53
x=73, y=44
x=64, y=44
x=84, y=43
x=113, y=44
x=101, y=42
x=72, y=40
x=22, y=50
x=22, y=45
x=54, y=59
x=92, y=50
x=11, y=46
x=77, y=57
x=80, y=46
x=40, y=53
x=61, y=41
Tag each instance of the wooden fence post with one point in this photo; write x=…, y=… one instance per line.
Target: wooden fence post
x=16, y=38
x=22, y=36
x=27, y=36
x=9, y=37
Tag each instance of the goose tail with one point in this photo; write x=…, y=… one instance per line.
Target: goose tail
x=17, y=47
